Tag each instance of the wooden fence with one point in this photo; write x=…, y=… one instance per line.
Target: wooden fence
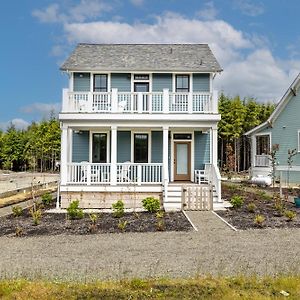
x=197, y=197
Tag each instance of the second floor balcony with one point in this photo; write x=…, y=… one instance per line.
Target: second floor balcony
x=165, y=102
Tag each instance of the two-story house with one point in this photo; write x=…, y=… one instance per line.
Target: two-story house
x=139, y=120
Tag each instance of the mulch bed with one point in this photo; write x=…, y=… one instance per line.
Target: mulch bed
x=57, y=223
x=241, y=218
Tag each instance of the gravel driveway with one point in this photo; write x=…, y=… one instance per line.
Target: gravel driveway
x=214, y=249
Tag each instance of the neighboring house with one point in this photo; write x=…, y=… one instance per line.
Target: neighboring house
x=138, y=120
x=282, y=128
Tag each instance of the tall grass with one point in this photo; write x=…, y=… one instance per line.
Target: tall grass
x=196, y=288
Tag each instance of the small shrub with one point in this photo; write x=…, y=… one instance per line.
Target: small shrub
x=17, y=211
x=259, y=220
x=290, y=215
x=93, y=225
x=237, y=201
x=279, y=207
x=36, y=215
x=122, y=225
x=160, y=214
x=160, y=225
x=251, y=207
x=73, y=211
x=118, y=209
x=19, y=231
x=151, y=204
x=47, y=198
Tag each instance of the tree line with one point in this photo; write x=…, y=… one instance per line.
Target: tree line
x=237, y=117
x=36, y=148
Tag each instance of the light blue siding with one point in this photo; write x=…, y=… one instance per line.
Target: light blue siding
x=161, y=81
x=81, y=82
x=80, y=147
x=157, y=146
x=201, y=82
x=202, y=149
x=121, y=81
x=123, y=146
x=284, y=131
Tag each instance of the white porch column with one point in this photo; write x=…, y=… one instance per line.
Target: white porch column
x=253, y=151
x=165, y=162
x=215, y=99
x=214, y=151
x=165, y=153
x=113, y=167
x=64, y=155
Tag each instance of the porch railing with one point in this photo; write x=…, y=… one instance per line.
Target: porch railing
x=86, y=173
x=138, y=102
x=262, y=160
x=150, y=173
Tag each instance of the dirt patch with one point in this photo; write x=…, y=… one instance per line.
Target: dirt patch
x=58, y=223
x=242, y=218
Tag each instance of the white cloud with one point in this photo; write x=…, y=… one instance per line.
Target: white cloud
x=208, y=12
x=249, y=8
x=137, y=2
x=18, y=123
x=250, y=69
x=44, y=109
x=84, y=10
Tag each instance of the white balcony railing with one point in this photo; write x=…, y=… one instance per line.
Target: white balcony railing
x=86, y=173
x=262, y=160
x=135, y=102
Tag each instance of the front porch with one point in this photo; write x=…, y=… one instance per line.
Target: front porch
x=112, y=163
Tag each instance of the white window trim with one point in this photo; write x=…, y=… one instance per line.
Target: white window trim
x=141, y=80
x=192, y=141
x=102, y=73
x=174, y=81
x=149, y=143
x=107, y=144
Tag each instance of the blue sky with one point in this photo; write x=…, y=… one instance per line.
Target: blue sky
x=257, y=43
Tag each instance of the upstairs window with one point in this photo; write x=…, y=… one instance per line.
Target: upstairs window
x=182, y=83
x=100, y=83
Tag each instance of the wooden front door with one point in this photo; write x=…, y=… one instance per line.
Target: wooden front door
x=182, y=161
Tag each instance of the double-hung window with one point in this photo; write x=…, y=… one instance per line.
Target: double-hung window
x=182, y=83
x=100, y=83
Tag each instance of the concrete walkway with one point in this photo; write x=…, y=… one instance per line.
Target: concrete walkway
x=215, y=249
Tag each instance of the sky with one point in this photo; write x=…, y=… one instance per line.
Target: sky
x=257, y=43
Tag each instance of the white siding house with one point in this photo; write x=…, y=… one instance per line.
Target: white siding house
x=137, y=121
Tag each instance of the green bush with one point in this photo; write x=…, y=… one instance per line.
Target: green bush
x=290, y=215
x=251, y=207
x=237, y=201
x=118, y=209
x=151, y=204
x=17, y=211
x=73, y=211
x=47, y=198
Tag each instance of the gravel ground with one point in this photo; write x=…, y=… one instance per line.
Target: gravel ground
x=213, y=249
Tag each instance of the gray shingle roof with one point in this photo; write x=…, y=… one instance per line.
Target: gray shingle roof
x=142, y=57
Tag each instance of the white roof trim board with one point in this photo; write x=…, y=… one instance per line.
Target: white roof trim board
x=142, y=57
x=291, y=91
